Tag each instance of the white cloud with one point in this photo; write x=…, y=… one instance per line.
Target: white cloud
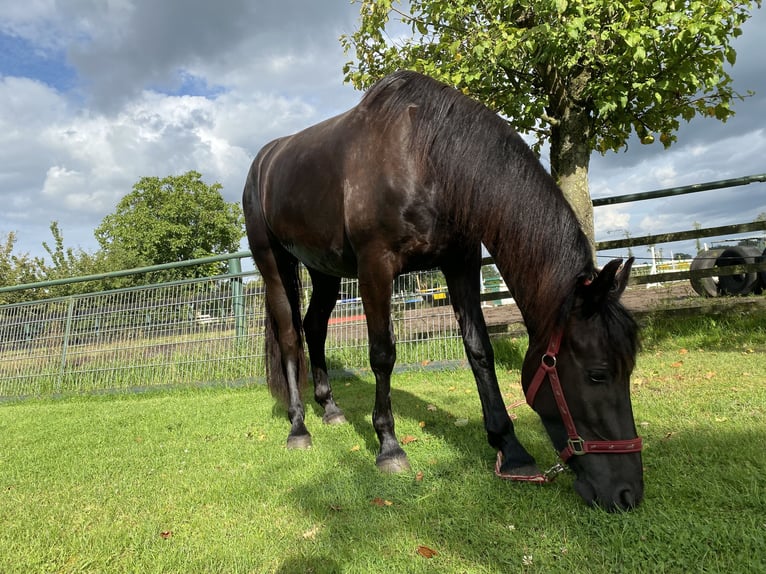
x=611, y=219
x=259, y=70
x=70, y=189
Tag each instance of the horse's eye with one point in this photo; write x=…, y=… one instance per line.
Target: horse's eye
x=598, y=377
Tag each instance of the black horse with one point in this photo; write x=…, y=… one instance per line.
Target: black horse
x=417, y=176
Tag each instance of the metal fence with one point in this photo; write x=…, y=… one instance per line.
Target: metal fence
x=191, y=332
x=210, y=330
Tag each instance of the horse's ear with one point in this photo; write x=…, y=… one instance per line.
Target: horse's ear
x=609, y=283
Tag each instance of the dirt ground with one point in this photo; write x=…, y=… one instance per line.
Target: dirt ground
x=638, y=299
x=677, y=297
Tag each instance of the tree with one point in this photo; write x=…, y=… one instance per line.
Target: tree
x=176, y=218
x=15, y=269
x=581, y=75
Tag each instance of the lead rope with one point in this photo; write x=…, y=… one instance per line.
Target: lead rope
x=540, y=478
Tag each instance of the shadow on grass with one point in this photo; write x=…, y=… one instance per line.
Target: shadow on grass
x=452, y=507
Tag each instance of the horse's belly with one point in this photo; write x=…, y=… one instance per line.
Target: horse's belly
x=336, y=262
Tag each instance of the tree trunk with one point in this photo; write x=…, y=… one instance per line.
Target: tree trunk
x=570, y=157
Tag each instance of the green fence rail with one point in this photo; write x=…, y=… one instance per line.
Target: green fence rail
x=209, y=330
x=196, y=331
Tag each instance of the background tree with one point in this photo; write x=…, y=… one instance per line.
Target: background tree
x=581, y=75
x=66, y=262
x=176, y=218
x=15, y=269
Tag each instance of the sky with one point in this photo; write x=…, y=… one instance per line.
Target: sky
x=95, y=94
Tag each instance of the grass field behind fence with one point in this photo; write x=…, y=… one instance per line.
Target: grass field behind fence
x=199, y=480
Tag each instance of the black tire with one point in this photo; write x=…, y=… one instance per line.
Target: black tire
x=739, y=283
x=705, y=286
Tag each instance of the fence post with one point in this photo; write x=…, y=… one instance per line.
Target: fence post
x=65, y=345
x=237, y=299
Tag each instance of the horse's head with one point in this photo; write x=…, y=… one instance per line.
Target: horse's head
x=593, y=362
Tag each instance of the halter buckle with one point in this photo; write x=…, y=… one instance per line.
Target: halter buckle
x=576, y=446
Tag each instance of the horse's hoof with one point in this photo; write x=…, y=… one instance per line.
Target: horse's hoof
x=393, y=465
x=334, y=419
x=299, y=442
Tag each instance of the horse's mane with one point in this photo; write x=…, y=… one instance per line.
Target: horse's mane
x=495, y=189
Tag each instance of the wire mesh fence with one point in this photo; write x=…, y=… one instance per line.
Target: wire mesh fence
x=149, y=336
x=195, y=332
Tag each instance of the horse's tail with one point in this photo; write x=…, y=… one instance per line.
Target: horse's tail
x=275, y=368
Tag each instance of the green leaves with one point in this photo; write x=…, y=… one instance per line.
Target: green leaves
x=176, y=218
x=646, y=62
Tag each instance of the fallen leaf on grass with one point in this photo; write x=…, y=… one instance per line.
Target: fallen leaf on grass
x=427, y=552
x=683, y=352
x=377, y=501
x=407, y=439
x=422, y=424
x=311, y=533
x=461, y=422
x=165, y=534
x=419, y=476
x=431, y=408
x=677, y=364
x=669, y=435
x=355, y=448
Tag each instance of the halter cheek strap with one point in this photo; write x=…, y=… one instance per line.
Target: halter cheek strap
x=576, y=445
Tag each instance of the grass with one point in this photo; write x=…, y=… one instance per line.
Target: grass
x=199, y=480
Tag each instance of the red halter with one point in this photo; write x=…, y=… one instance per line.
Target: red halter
x=576, y=445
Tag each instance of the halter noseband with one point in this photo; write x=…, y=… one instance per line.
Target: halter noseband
x=576, y=445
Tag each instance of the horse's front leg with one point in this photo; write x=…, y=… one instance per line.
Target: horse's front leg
x=375, y=287
x=324, y=293
x=463, y=282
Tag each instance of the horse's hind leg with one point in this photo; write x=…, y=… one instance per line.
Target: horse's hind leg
x=280, y=276
x=463, y=281
x=324, y=294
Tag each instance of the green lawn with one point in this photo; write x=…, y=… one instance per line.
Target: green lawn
x=200, y=480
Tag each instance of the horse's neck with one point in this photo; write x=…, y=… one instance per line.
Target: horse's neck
x=531, y=284
x=537, y=260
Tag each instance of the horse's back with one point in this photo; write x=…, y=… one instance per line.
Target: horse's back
x=328, y=190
